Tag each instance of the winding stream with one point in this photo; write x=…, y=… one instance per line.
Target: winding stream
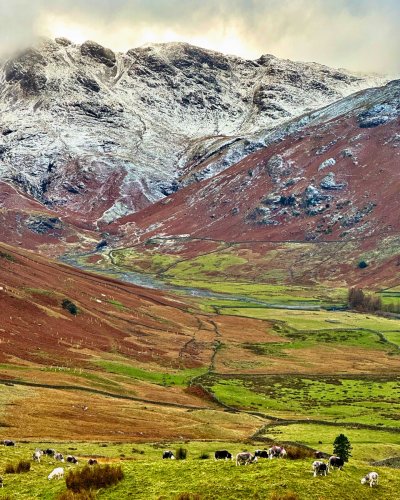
x=150, y=281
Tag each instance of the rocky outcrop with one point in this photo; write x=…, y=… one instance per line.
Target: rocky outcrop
x=98, y=53
x=135, y=127
x=329, y=182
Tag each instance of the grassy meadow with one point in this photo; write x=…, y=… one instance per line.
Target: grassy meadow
x=265, y=362
x=147, y=476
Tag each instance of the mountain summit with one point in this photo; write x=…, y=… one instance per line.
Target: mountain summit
x=95, y=135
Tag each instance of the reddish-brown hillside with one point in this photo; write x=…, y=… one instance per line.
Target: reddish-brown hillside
x=27, y=223
x=336, y=179
x=113, y=317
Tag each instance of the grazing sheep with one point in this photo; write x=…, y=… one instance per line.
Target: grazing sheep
x=320, y=468
x=222, y=455
x=71, y=459
x=168, y=454
x=36, y=455
x=59, y=457
x=371, y=478
x=336, y=462
x=277, y=452
x=8, y=442
x=57, y=473
x=245, y=458
x=261, y=453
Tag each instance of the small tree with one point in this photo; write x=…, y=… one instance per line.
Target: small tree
x=342, y=447
x=70, y=306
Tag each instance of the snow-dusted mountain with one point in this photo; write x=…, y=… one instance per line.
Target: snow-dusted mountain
x=95, y=135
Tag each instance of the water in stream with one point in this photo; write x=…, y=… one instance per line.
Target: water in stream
x=150, y=281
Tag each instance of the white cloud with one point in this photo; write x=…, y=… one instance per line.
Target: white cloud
x=357, y=34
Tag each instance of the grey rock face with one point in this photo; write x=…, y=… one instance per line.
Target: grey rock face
x=329, y=182
x=377, y=115
x=98, y=53
x=145, y=119
x=330, y=162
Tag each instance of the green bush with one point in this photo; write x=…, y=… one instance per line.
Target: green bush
x=70, y=306
x=204, y=456
x=88, y=478
x=7, y=256
x=342, y=447
x=362, y=264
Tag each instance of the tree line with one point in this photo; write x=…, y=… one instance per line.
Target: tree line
x=370, y=302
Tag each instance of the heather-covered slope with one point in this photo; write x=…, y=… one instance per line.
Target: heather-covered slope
x=27, y=223
x=96, y=135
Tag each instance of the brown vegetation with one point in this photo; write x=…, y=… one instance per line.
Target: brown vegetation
x=298, y=452
x=89, y=478
x=21, y=466
x=369, y=302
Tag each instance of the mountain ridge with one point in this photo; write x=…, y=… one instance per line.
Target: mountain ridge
x=129, y=126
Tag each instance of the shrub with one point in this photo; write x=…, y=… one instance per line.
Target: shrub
x=22, y=466
x=298, y=452
x=82, y=495
x=204, y=456
x=9, y=469
x=362, y=264
x=181, y=453
x=7, y=256
x=136, y=450
x=284, y=495
x=342, y=447
x=361, y=301
x=99, y=476
x=70, y=306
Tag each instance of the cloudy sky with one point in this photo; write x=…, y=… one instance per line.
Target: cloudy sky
x=360, y=35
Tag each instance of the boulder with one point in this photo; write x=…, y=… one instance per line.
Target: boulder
x=330, y=162
x=329, y=182
x=98, y=53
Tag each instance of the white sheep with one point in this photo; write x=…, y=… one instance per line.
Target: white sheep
x=57, y=473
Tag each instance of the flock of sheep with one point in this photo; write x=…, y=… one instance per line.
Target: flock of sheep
x=319, y=467
x=58, y=472
x=243, y=458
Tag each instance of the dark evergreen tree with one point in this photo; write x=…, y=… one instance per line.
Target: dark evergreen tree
x=342, y=447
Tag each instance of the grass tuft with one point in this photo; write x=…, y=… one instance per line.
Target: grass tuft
x=298, y=452
x=181, y=453
x=22, y=466
x=88, y=478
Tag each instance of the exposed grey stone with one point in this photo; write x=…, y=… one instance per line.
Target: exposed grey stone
x=329, y=182
x=330, y=162
x=98, y=52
